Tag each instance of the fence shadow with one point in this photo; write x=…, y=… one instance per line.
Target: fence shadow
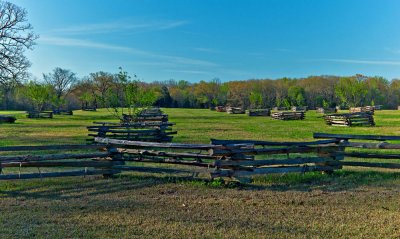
x=77, y=187
x=341, y=180
x=69, y=188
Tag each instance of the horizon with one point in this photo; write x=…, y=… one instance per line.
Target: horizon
x=228, y=40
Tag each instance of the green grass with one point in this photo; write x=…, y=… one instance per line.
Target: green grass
x=359, y=203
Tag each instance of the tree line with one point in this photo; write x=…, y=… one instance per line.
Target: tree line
x=61, y=89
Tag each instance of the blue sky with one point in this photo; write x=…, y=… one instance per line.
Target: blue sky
x=197, y=40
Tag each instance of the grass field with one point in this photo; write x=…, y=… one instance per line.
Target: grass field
x=350, y=203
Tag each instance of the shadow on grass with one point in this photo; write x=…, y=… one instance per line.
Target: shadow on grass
x=340, y=180
x=67, y=188
x=77, y=187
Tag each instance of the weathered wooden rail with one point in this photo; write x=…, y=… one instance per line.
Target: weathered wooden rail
x=289, y=115
x=370, y=147
x=259, y=112
x=148, y=125
x=235, y=110
x=40, y=114
x=220, y=158
x=153, y=131
x=365, y=109
x=57, y=161
x=351, y=119
x=225, y=158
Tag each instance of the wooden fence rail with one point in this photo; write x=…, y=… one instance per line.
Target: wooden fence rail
x=40, y=114
x=352, y=119
x=365, y=109
x=234, y=158
x=220, y=158
x=150, y=125
x=370, y=150
x=289, y=115
x=84, y=159
x=259, y=112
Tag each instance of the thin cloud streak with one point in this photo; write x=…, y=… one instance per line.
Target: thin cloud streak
x=208, y=50
x=72, y=42
x=118, y=26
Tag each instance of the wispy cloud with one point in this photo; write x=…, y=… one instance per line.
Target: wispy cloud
x=367, y=62
x=118, y=26
x=73, y=42
x=208, y=50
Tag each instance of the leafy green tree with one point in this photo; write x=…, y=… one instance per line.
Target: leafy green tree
x=39, y=94
x=351, y=90
x=130, y=95
x=296, y=95
x=256, y=100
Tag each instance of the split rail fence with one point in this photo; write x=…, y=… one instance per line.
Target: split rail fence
x=235, y=110
x=26, y=162
x=365, y=109
x=259, y=112
x=150, y=125
x=152, y=131
x=368, y=150
x=289, y=115
x=40, y=114
x=220, y=158
x=351, y=119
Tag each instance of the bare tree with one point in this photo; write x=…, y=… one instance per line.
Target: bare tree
x=62, y=81
x=15, y=37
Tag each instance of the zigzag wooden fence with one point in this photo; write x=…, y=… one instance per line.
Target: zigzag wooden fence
x=235, y=110
x=221, y=158
x=259, y=112
x=40, y=114
x=289, y=115
x=369, y=152
x=26, y=162
x=365, y=109
x=224, y=158
x=351, y=119
x=149, y=125
x=152, y=131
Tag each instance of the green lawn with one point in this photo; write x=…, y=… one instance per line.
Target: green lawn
x=349, y=203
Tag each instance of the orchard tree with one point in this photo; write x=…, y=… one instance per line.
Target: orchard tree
x=16, y=36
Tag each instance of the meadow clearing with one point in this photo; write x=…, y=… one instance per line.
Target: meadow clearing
x=356, y=203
